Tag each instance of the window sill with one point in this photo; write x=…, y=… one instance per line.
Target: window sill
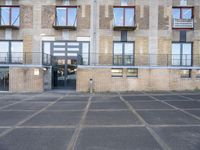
x=64, y=27
x=124, y=27
x=9, y=27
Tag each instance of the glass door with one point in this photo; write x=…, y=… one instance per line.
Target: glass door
x=4, y=79
x=71, y=73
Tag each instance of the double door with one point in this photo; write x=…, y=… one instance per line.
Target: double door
x=64, y=74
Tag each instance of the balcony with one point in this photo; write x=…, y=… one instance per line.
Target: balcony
x=66, y=17
x=9, y=17
x=141, y=60
x=25, y=58
x=183, y=23
x=124, y=18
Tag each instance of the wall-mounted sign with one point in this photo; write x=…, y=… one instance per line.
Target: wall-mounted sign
x=36, y=72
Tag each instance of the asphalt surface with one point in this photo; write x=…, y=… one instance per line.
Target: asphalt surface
x=107, y=121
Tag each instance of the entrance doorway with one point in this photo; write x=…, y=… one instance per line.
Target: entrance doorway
x=4, y=79
x=66, y=55
x=64, y=74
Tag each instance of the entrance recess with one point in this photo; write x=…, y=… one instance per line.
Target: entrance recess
x=66, y=56
x=4, y=79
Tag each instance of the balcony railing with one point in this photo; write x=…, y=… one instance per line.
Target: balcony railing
x=183, y=23
x=25, y=58
x=155, y=60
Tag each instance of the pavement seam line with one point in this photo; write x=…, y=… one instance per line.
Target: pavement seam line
x=176, y=108
x=158, y=139
x=29, y=117
x=77, y=131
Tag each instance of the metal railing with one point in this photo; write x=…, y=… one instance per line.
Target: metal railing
x=25, y=58
x=183, y=23
x=106, y=59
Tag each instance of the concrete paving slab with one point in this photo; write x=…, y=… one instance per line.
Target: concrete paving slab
x=149, y=105
x=194, y=112
x=75, y=98
x=111, y=118
x=60, y=118
x=68, y=106
x=10, y=118
x=108, y=105
x=180, y=138
x=36, y=139
x=193, y=96
x=106, y=99
x=170, y=97
x=167, y=117
x=116, y=139
x=138, y=98
x=185, y=104
x=27, y=106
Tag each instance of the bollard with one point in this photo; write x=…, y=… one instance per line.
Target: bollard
x=91, y=86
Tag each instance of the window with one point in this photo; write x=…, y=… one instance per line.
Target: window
x=132, y=72
x=182, y=54
x=182, y=13
x=123, y=53
x=117, y=72
x=66, y=16
x=10, y=16
x=186, y=73
x=11, y=52
x=124, y=16
x=198, y=74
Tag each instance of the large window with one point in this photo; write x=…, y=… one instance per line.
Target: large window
x=182, y=54
x=10, y=16
x=182, y=13
x=124, y=16
x=66, y=16
x=123, y=53
x=11, y=51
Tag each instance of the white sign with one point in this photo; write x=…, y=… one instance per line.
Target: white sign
x=36, y=72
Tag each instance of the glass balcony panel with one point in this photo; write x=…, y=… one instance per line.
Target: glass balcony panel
x=15, y=18
x=118, y=17
x=5, y=16
x=129, y=17
x=61, y=17
x=72, y=14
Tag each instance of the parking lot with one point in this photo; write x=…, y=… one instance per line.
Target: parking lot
x=107, y=121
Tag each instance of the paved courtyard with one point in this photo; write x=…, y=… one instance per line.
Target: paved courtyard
x=115, y=121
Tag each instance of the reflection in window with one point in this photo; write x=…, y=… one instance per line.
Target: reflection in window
x=11, y=52
x=124, y=16
x=17, y=52
x=182, y=54
x=85, y=54
x=182, y=13
x=10, y=16
x=132, y=72
x=115, y=72
x=4, y=51
x=186, y=73
x=66, y=16
x=123, y=53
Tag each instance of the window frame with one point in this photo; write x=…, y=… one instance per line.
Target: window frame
x=10, y=50
x=67, y=16
x=132, y=76
x=117, y=76
x=181, y=53
x=124, y=16
x=10, y=16
x=181, y=11
x=186, y=77
x=123, y=53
